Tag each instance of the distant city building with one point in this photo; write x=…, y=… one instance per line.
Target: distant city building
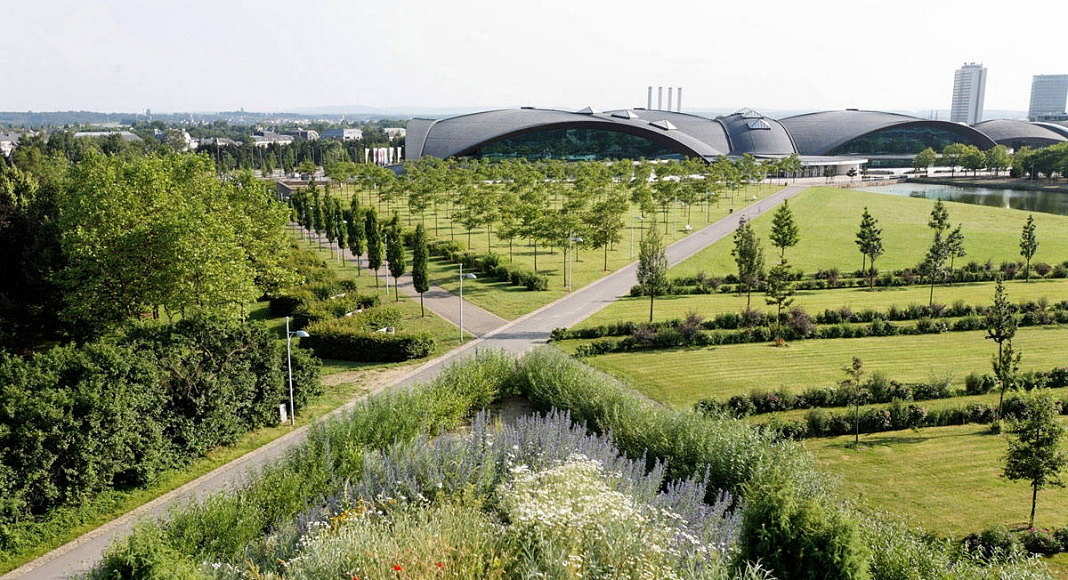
x=969, y=88
x=265, y=138
x=218, y=142
x=1049, y=94
x=343, y=134
x=8, y=142
x=124, y=135
x=306, y=134
x=395, y=132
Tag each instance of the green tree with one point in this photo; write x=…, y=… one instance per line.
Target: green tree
x=652, y=267
x=749, y=257
x=953, y=154
x=373, y=235
x=605, y=222
x=1028, y=244
x=939, y=219
x=973, y=158
x=779, y=291
x=784, y=233
x=1035, y=453
x=955, y=247
x=395, y=255
x=998, y=158
x=420, y=260
x=1001, y=324
x=856, y=393
x=924, y=160
x=870, y=242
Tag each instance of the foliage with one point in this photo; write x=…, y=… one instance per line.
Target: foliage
x=748, y=256
x=784, y=230
x=1035, y=453
x=351, y=339
x=652, y=267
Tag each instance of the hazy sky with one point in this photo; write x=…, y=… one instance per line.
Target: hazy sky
x=126, y=55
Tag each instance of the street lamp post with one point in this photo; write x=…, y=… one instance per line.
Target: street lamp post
x=468, y=276
x=289, y=366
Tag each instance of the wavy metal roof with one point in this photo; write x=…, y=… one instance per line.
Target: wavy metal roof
x=460, y=135
x=820, y=133
x=1007, y=131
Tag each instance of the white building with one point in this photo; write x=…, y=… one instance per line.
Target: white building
x=1048, y=96
x=346, y=134
x=395, y=132
x=969, y=88
x=265, y=138
x=8, y=142
x=124, y=135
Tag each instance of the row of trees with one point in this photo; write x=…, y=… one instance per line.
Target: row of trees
x=1047, y=161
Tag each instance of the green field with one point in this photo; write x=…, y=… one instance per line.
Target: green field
x=945, y=479
x=681, y=377
x=828, y=219
x=815, y=301
x=509, y=301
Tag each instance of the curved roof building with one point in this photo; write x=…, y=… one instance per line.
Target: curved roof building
x=823, y=138
x=1018, y=134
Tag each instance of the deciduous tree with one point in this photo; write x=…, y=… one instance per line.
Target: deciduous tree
x=1028, y=244
x=749, y=257
x=1035, y=453
x=652, y=267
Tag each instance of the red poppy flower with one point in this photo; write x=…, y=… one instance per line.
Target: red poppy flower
x=439, y=564
x=398, y=568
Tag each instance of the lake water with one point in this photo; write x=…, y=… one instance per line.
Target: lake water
x=1040, y=201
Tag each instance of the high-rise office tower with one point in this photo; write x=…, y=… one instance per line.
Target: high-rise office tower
x=1048, y=96
x=969, y=86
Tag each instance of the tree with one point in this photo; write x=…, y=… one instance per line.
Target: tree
x=749, y=257
x=973, y=158
x=1001, y=324
x=779, y=291
x=374, y=242
x=939, y=220
x=934, y=263
x=395, y=254
x=924, y=160
x=855, y=392
x=420, y=259
x=784, y=232
x=998, y=158
x=1035, y=453
x=1028, y=245
x=605, y=222
x=354, y=224
x=870, y=242
x=652, y=267
x=953, y=154
x=955, y=247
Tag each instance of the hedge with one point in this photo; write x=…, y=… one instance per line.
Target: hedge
x=113, y=414
x=349, y=339
x=489, y=264
x=330, y=308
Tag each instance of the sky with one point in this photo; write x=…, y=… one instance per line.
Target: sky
x=273, y=55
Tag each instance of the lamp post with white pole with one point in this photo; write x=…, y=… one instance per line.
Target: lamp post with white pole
x=289, y=365
x=468, y=276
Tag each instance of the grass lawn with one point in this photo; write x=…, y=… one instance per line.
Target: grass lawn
x=945, y=479
x=683, y=376
x=510, y=302
x=828, y=219
x=815, y=301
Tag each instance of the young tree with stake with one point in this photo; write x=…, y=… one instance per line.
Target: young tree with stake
x=395, y=254
x=749, y=257
x=779, y=291
x=784, y=233
x=652, y=267
x=857, y=394
x=1028, y=245
x=1001, y=324
x=870, y=242
x=1035, y=453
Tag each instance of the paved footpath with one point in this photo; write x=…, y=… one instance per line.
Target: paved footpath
x=516, y=336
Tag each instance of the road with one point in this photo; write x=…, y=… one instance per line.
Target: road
x=516, y=336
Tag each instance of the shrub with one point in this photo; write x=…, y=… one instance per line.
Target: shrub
x=1061, y=535
x=975, y=384
x=347, y=339
x=329, y=308
x=993, y=543
x=1040, y=542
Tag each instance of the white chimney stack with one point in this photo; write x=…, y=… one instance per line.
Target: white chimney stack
x=649, y=101
x=678, y=100
x=659, y=98
x=670, y=91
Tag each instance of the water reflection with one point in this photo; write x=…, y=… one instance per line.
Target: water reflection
x=1040, y=201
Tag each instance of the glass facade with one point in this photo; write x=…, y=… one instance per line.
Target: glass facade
x=902, y=141
x=576, y=144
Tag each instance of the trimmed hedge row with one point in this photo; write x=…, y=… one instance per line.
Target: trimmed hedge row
x=833, y=278
x=489, y=264
x=113, y=414
x=796, y=327
x=878, y=389
x=896, y=417
x=998, y=542
x=350, y=339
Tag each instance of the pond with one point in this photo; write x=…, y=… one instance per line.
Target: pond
x=1040, y=201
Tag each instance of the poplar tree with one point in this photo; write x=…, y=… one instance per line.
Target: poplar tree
x=784, y=233
x=395, y=254
x=1028, y=245
x=652, y=267
x=374, y=242
x=420, y=259
x=749, y=257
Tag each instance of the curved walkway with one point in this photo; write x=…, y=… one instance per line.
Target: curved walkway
x=516, y=336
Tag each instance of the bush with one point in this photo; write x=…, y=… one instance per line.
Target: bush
x=993, y=543
x=329, y=308
x=348, y=339
x=1040, y=542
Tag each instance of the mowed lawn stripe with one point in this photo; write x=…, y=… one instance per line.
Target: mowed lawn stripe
x=828, y=218
x=681, y=377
